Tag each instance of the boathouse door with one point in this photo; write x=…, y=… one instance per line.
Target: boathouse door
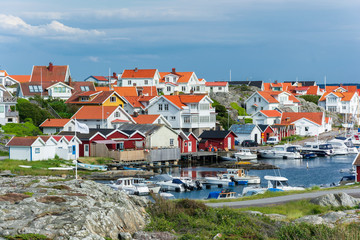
x=86, y=150
x=229, y=142
x=189, y=147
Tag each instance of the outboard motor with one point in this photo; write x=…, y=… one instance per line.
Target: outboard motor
x=198, y=185
x=233, y=180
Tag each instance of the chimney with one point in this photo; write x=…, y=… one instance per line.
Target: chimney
x=114, y=75
x=276, y=82
x=50, y=67
x=299, y=84
x=136, y=69
x=173, y=70
x=136, y=114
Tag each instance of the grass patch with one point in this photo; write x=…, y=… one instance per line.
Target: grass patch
x=95, y=160
x=38, y=168
x=292, y=138
x=241, y=111
x=58, y=180
x=4, y=153
x=28, y=236
x=29, y=193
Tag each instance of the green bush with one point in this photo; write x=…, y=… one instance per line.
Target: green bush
x=311, y=98
x=31, y=110
x=28, y=236
x=248, y=120
x=21, y=129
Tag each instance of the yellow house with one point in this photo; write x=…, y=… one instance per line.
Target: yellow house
x=98, y=98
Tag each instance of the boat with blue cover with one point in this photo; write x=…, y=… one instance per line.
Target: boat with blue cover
x=224, y=194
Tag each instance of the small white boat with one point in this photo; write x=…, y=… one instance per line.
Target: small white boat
x=282, y=152
x=240, y=175
x=25, y=166
x=218, y=180
x=320, y=149
x=275, y=184
x=168, y=183
x=132, y=186
x=91, y=167
x=167, y=196
x=244, y=154
x=343, y=145
x=224, y=194
x=61, y=168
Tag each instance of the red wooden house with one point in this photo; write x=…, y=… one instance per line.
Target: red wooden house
x=187, y=142
x=356, y=163
x=125, y=139
x=217, y=139
x=283, y=130
x=266, y=132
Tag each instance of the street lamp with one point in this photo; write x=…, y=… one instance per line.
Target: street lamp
x=228, y=118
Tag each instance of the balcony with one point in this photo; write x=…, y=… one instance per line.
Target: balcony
x=8, y=99
x=12, y=114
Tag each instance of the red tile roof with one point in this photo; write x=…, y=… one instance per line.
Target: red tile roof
x=135, y=101
x=211, y=84
x=102, y=88
x=150, y=91
x=57, y=138
x=146, y=119
x=21, y=141
x=126, y=91
x=55, y=122
x=180, y=100
x=97, y=100
x=101, y=78
x=327, y=119
x=301, y=88
x=271, y=113
x=77, y=86
x=290, y=117
x=138, y=73
x=94, y=112
x=48, y=74
x=119, y=120
x=21, y=78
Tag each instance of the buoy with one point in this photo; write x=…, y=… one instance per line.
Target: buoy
x=307, y=165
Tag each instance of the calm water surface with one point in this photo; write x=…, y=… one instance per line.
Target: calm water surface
x=320, y=171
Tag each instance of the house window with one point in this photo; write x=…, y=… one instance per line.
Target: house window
x=97, y=126
x=37, y=150
x=129, y=82
x=146, y=82
x=259, y=99
x=166, y=107
x=220, y=88
x=183, y=88
x=168, y=89
x=306, y=129
x=112, y=99
x=171, y=142
x=194, y=119
x=2, y=109
x=197, y=88
x=84, y=99
x=70, y=149
x=254, y=99
x=204, y=118
x=173, y=118
x=193, y=106
x=70, y=129
x=332, y=109
x=160, y=107
x=185, y=144
x=166, y=117
x=186, y=119
x=204, y=106
x=262, y=108
x=9, y=120
x=212, y=118
x=84, y=88
x=344, y=107
x=120, y=145
x=117, y=114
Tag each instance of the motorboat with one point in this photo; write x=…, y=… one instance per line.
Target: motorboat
x=344, y=143
x=190, y=183
x=219, y=180
x=167, y=196
x=132, y=186
x=244, y=154
x=275, y=184
x=168, y=183
x=320, y=149
x=240, y=175
x=282, y=152
x=224, y=194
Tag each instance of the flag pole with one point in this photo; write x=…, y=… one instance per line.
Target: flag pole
x=76, y=174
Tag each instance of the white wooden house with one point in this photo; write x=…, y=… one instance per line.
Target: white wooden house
x=246, y=132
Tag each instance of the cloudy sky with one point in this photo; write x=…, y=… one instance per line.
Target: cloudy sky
x=255, y=39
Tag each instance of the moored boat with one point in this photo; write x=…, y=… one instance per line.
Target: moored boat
x=132, y=186
x=244, y=154
x=91, y=167
x=240, y=175
x=281, y=152
x=224, y=194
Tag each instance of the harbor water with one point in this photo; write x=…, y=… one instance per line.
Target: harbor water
x=320, y=171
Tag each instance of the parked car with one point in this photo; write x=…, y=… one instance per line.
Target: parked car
x=273, y=140
x=249, y=143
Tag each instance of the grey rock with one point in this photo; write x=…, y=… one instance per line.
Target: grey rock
x=276, y=217
x=141, y=235
x=312, y=219
x=75, y=210
x=336, y=200
x=125, y=236
x=254, y=213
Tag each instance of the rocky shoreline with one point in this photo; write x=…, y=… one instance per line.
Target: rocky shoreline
x=74, y=209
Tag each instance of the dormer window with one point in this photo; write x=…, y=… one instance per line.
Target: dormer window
x=35, y=88
x=84, y=88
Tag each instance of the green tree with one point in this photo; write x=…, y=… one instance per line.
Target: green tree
x=311, y=98
x=31, y=110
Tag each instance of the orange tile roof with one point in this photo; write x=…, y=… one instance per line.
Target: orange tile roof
x=271, y=113
x=345, y=96
x=126, y=91
x=21, y=78
x=138, y=73
x=312, y=90
x=150, y=91
x=267, y=87
x=327, y=119
x=102, y=88
x=268, y=96
x=100, y=78
x=135, y=101
x=146, y=119
x=119, y=120
x=290, y=117
x=276, y=85
x=184, y=77
x=180, y=100
x=55, y=122
x=333, y=88
x=94, y=112
x=89, y=93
